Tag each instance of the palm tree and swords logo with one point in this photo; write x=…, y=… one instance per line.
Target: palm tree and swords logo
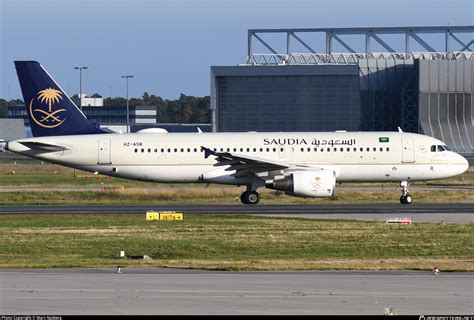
x=47, y=119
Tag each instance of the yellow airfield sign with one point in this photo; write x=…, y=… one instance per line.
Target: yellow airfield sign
x=164, y=215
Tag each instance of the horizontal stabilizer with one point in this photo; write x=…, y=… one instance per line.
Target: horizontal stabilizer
x=45, y=147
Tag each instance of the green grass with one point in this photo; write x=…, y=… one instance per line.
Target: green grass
x=231, y=242
x=183, y=195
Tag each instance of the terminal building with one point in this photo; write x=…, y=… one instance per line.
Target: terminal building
x=372, y=87
x=115, y=119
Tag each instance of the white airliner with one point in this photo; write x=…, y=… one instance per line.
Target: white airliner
x=302, y=164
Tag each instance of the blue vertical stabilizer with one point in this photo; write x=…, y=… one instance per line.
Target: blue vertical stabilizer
x=51, y=111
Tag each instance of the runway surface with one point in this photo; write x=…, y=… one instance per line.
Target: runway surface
x=174, y=291
x=378, y=212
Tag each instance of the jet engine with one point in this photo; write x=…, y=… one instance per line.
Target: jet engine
x=307, y=184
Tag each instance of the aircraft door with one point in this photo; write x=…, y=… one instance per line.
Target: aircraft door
x=104, y=152
x=408, y=150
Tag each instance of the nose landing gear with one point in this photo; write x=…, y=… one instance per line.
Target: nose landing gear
x=406, y=198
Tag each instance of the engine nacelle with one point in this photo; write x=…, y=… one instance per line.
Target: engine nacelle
x=307, y=184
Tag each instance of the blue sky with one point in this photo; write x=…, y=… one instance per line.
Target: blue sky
x=169, y=45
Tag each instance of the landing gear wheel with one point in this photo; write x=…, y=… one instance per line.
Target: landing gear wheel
x=250, y=197
x=406, y=199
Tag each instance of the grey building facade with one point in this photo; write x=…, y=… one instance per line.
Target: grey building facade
x=425, y=92
x=290, y=98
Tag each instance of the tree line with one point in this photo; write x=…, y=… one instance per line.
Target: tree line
x=185, y=109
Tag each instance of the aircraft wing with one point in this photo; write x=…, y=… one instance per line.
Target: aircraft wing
x=43, y=147
x=243, y=164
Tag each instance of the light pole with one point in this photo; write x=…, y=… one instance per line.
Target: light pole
x=128, y=119
x=80, y=83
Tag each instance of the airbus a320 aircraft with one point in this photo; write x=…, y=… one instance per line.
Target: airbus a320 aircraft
x=302, y=164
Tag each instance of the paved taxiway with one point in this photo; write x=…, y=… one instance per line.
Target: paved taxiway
x=174, y=291
x=375, y=212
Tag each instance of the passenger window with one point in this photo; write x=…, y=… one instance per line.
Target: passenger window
x=309, y=149
x=328, y=149
x=368, y=149
x=342, y=149
x=268, y=149
x=195, y=150
x=235, y=149
x=143, y=150
x=375, y=149
x=189, y=150
x=149, y=150
x=322, y=149
x=241, y=149
x=169, y=150
x=361, y=149
x=228, y=149
x=156, y=150
x=315, y=150
x=348, y=149
x=381, y=149
x=355, y=149
x=261, y=149
x=182, y=150
x=136, y=150
x=162, y=150
x=335, y=149
x=274, y=149
x=302, y=149
x=281, y=149
x=388, y=149
x=248, y=149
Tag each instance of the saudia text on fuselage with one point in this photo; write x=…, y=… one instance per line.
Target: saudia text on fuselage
x=303, y=141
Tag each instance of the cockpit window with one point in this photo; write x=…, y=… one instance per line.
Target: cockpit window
x=446, y=148
x=433, y=148
x=440, y=148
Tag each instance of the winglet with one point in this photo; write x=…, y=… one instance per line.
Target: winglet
x=400, y=129
x=207, y=152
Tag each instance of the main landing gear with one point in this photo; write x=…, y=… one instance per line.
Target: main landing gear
x=250, y=197
x=406, y=198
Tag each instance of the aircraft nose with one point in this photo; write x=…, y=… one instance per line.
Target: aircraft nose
x=464, y=164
